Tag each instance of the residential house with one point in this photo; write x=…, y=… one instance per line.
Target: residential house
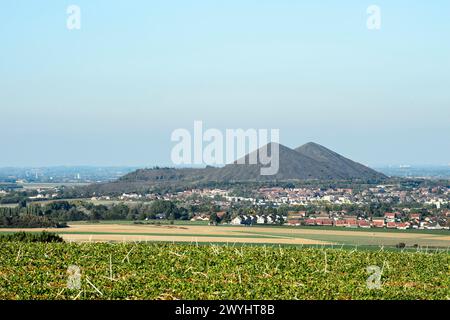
x=340, y=223
x=324, y=222
x=363, y=224
x=352, y=223
x=295, y=218
x=389, y=216
x=260, y=219
x=201, y=217
x=402, y=225
x=391, y=225
x=378, y=222
x=237, y=221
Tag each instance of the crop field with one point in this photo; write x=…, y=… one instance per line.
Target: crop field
x=189, y=271
x=126, y=232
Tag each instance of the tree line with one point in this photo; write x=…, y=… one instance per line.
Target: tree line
x=57, y=213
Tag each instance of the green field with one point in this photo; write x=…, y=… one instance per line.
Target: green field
x=361, y=241
x=183, y=271
x=333, y=228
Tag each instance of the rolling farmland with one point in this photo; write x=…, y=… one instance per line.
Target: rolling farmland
x=138, y=261
x=192, y=233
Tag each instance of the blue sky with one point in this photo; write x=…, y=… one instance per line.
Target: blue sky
x=112, y=92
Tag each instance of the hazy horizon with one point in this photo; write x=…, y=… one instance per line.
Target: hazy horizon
x=111, y=93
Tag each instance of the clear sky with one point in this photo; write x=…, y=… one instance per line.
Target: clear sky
x=112, y=92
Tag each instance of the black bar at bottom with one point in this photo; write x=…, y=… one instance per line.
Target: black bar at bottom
x=229, y=309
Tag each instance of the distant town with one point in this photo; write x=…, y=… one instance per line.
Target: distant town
x=436, y=199
x=60, y=174
x=391, y=206
x=94, y=174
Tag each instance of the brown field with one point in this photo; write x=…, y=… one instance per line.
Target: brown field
x=240, y=234
x=444, y=238
x=191, y=239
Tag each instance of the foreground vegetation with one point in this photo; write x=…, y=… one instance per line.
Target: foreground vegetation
x=177, y=271
x=31, y=237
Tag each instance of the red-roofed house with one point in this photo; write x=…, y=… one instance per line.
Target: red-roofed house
x=391, y=225
x=402, y=225
x=340, y=223
x=295, y=218
x=389, y=216
x=378, y=223
x=293, y=222
x=352, y=223
x=363, y=224
x=325, y=222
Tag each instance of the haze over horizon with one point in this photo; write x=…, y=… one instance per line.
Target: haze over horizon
x=147, y=165
x=111, y=93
